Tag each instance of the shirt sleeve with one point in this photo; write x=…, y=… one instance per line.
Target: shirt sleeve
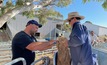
x=95, y=37
x=77, y=36
x=23, y=41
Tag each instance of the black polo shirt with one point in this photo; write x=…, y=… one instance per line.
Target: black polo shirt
x=19, y=44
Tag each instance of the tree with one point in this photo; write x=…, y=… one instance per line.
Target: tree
x=31, y=8
x=104, y=4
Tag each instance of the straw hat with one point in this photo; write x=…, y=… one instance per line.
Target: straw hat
x=74, y=14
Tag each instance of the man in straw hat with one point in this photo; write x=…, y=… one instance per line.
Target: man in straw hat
x=79, y=42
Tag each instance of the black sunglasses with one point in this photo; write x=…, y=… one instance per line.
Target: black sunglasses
x=78, y=18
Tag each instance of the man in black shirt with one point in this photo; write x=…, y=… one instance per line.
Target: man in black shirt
x=24, y=43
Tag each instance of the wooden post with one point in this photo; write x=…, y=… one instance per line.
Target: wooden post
x=63, y=52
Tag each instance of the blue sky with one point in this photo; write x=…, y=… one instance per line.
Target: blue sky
x=93, y=11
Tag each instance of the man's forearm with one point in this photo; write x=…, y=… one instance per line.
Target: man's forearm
x=48, y=47
x=43, y=46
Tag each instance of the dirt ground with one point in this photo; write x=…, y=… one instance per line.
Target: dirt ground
x=50, y=55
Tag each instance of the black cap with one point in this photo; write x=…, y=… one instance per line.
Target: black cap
x=34, y=22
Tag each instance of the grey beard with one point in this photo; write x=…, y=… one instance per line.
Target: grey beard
x=32, y=34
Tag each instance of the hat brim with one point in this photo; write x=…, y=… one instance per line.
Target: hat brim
x=81, y=18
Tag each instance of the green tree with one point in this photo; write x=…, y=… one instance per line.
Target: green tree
x=31, y=8
x=104, y=3
x=35, y=8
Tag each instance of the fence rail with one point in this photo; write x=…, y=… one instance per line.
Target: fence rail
x=16, y=60
x=45, y=59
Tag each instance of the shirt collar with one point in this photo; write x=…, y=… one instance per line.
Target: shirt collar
x=75, y=24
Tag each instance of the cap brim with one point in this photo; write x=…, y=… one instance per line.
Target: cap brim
x=39, y=25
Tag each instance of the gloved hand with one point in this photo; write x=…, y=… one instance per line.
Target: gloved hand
x=48, y=39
